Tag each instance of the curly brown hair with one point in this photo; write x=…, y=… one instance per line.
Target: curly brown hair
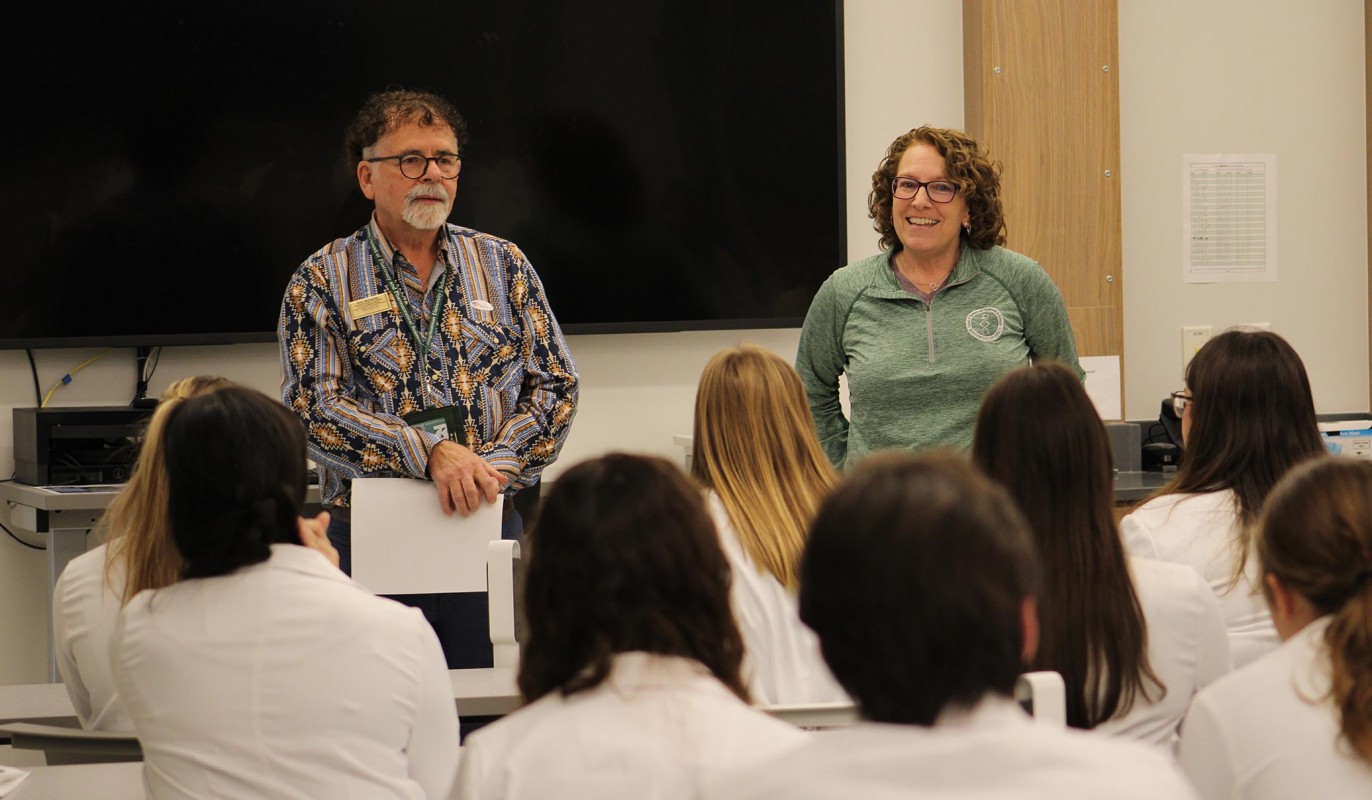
x=967, y=165
x=385, y=111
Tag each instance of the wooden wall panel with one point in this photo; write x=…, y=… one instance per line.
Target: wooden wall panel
x=1042, y=93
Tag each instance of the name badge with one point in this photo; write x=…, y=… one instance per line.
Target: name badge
x=450, y=422
x=369, y=306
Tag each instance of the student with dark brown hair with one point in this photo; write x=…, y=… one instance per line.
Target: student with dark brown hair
x=1298, y=721
x=1132, y=638
x=1247, y=416
x=632, y=661
x=920, y=579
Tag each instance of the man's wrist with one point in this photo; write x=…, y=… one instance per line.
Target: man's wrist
x=432, y=451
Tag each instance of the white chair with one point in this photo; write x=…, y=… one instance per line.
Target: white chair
x=502, y=561
x=815, y=716
x=1044, y=696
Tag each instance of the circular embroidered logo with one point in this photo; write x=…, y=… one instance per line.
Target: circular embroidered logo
x=986, y=324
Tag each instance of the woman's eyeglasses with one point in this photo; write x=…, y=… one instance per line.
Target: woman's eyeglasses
x=1180, y=401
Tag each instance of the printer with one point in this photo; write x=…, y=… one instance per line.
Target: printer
x=66, y=446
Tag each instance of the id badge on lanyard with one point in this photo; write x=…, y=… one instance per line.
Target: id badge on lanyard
x=449, y=422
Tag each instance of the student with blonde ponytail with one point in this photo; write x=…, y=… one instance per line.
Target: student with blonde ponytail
x=139, y=555
x=264, y=671
x=1298, y=721
x=757, y=455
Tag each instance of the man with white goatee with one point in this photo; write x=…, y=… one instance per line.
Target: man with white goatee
x=421, y=349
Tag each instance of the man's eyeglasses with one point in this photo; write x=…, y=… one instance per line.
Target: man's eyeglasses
x=1180, y=401
x=937, y=191
x=413, y=165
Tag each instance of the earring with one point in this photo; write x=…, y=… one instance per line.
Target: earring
x=967, y=226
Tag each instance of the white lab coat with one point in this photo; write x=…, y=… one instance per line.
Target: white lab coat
x=84, y=610
x=1199, y=529
x=993, y=751
x=650, y=731
x=1266, y=732
x=285, y=679
x=784, y=664
x=1187, y=648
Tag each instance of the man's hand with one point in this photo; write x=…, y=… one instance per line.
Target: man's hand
x=314, y=534
x=463, y=478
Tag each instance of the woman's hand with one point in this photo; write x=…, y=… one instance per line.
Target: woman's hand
x=314, y=534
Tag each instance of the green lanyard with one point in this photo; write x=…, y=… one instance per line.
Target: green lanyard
x=422, y=343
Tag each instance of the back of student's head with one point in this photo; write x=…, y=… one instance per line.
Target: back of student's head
x=756, y=447
x=1315, y=538
x=1039, y=435
x=915, y=579
x=140, y=535
x=235, y=463
x=1252, y=417
x=624, y=558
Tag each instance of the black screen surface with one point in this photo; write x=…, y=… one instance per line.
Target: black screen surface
x=665, y=164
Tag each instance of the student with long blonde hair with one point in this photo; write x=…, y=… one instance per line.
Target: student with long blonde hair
x=757, y=454
x=139, y=554
x=1298, y=721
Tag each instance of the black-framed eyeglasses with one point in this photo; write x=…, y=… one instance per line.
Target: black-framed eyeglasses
x=1180, y=400
x=413, y=165
x=937, y=191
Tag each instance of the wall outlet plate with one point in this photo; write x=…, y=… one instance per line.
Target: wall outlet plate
x=1193, y=337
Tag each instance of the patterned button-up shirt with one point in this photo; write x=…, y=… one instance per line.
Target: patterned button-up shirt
x=351, y=373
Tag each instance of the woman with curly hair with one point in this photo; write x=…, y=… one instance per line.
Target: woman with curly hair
x=924, y=328
x=1297, y=722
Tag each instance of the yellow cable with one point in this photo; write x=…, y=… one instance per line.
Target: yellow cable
x=66, y=379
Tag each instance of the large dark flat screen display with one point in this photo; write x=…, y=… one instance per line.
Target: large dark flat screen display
x=665, y=164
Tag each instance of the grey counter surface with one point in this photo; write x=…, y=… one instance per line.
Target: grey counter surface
x=1131, y=487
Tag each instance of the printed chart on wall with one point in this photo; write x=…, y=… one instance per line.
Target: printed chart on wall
x=1229, y=218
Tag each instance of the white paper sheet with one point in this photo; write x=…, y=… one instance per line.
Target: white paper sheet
x=403, y=544
x=1229, y=218
x=1103, y=385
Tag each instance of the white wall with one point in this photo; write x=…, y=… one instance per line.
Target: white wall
x=1265, y=76
x=637, y=390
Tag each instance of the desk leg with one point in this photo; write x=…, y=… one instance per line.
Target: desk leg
x=64, y=544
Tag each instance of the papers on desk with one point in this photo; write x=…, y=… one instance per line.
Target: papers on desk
x=10, y=778
x=403, y=544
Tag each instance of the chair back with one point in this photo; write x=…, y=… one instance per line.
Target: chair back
x=503, y=568
x=1044, y=696
x=815, y=716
